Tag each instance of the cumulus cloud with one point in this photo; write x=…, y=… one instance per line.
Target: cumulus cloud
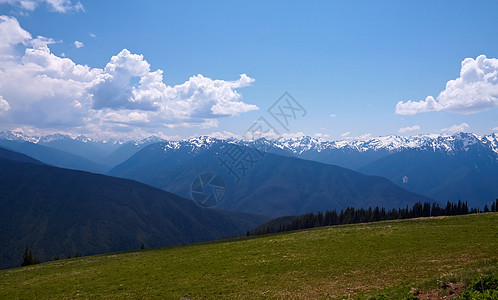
x=78, y=44
x=12, y=34
x=414, y=107
x=409, y=128
x=48, y=91
x=206, y=97
x=60, y=6
x=198, y=98
x=474, y=91
x=4, y=105
x=456, y=128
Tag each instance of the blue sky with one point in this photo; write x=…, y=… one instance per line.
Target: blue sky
x=347, y=63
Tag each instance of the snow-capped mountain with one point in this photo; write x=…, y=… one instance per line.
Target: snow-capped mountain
x=23, y=137
x=444, y=167
x=392, y=143
x=349, y=153
x=149, y=140
x=389, y=144
x=18, y=136
x=55, y=137
x=298, y=145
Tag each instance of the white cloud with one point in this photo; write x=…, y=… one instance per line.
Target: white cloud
x=346, y=133
x=409, y=128
x=474, y=91
x=41, y=41
x=332, y=115
x=78, y=44
x=12, y=34
x=322, y=135
x=207, y=98
x=292, y=135
x=224, y=135
x=4, y=105
x=92, y=35
x=363, y=136
x=456, y=128
x=60, y=6
x=413, y=107
x=495, y=128
x=47, y=91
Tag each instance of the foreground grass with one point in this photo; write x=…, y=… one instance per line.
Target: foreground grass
x=361, y=260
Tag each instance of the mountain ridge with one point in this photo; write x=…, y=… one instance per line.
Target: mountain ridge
x=58, y=211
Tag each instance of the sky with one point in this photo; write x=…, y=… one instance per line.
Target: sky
x=176, y=69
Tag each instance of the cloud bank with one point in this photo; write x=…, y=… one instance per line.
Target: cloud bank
x=409, y=128
x=40, y=89
x=456, y=128
x=474, y=91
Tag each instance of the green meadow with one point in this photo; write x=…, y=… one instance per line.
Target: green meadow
x=359, y=261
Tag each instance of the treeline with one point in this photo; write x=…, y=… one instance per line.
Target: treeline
x=352, y=216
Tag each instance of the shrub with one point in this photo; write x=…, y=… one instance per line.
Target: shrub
x=484, y=287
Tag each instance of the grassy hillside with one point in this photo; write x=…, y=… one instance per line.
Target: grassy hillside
x=331, y=261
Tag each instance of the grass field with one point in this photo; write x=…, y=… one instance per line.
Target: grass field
x=362, y=260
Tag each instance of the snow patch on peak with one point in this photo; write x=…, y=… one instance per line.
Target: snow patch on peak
x=55, y=137
x=84, y=139
x=149, y=140
x=393, y=143
x=18, y=136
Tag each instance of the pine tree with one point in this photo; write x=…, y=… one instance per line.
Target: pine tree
x=25, y=259
x=28, y=258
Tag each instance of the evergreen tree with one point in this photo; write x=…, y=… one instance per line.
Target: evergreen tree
x=28, y=258
x=25, y=260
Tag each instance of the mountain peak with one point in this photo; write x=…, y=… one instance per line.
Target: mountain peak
x=55, y=137
x=18, y=136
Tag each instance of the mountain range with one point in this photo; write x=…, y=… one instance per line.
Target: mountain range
x=462, y=166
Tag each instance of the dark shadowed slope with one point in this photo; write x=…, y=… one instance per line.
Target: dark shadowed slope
x=57, y=212
x=15, y=156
